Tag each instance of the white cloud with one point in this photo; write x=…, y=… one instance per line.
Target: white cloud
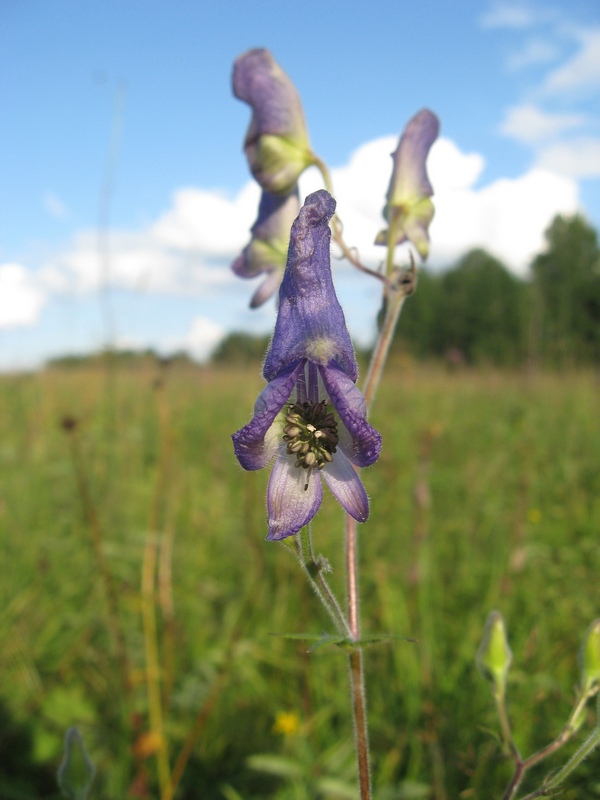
x=187, y=250
x=578, y=158
x=508, y=217
x=201, y=339
x=528, y=123
x=580, y=72
x=21, y=299
x=207, y=221
x=137, y=262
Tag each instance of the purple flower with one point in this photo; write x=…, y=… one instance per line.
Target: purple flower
x=267, y=250
x=276, y=143
x=311, y=416
x=409, y=209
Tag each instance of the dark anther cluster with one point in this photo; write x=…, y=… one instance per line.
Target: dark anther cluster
x=311, y=434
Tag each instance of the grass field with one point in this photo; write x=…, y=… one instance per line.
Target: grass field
x=138, y=594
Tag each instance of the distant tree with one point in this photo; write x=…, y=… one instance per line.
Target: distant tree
x=418, y=327
x=482, y=312
x=566, y=284
x=241, y=348
x=474, y=311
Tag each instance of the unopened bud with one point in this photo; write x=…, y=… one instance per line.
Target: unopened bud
x=589, y=657
x=76, y=772
x=409, y=209
x=494, y=656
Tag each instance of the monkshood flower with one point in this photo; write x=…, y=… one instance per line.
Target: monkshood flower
x=409, y=209
x=268, y=247
x=311, y=417
x=276, y=143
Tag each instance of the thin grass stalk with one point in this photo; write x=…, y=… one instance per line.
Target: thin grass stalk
x=92, y=521
x=152, y=663
x=149, y=603
x=165, y=599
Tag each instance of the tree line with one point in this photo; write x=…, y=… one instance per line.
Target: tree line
x=479, y=312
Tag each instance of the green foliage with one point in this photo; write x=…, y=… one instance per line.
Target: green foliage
x=242, y=349
x=477, y=312
x=473, y=312
x=485, y=496
x=567, y=290
x=138, y=359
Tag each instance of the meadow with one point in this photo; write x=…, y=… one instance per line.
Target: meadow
x=140, y=602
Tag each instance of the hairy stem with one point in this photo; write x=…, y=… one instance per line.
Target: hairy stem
x=355, y=657
x=314, y=569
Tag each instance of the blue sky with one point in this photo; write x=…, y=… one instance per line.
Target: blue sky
x=120, y=112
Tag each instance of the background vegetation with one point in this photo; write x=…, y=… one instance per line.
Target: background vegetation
x=134, y=558
x=486, y=496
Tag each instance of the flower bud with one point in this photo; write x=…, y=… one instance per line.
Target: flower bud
x=268, y=247
x=409, y=209
x=276, y=143
x=589, y=658
x=494, y=656
x=76, y=772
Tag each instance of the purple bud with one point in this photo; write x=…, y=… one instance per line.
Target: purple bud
x=276, y=143
x=409, y=210
x=268, y=247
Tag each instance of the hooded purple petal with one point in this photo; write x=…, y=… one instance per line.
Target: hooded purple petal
x=253, y=451
x=267, y=250
x=277, y=143
x=409, y=210
x=290, y=506
x=347, y=488
x=310, y=323
x=364, y=445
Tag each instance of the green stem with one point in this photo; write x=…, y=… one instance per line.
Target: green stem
x=314, y=569
x=584, y=751
x=500, y=698
x=355, y=658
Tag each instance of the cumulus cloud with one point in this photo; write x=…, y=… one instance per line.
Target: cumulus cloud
x=141, y=262
x=207, y=221
x=21, y=298
x=528, y=123
x=201, y=339
x=507, y=217
x=577, y=158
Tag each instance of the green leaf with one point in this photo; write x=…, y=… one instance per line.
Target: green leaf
x=342, y=641
x=334, y=788
x=276, y=765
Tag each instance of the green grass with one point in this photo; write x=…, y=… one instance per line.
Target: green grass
x=510, y=464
